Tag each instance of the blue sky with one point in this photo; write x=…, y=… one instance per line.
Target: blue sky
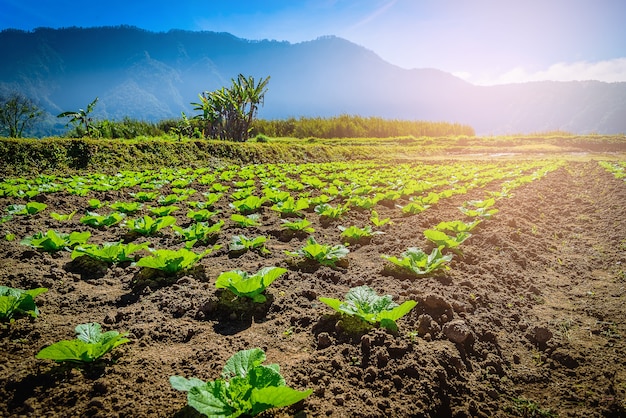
x=483, y=41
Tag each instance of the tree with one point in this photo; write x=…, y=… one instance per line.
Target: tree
x=17, y=112
x=81, y=117
x=228, y=113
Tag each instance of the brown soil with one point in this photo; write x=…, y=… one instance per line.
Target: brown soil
x=538, y=300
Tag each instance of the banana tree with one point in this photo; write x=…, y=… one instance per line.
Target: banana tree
x=81, y=117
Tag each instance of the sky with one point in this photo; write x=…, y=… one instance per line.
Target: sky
x=482, y=41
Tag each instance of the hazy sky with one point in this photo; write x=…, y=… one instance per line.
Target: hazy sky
x=483, y=41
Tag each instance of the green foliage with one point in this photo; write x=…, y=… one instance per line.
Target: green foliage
x=457, y=226
x=82, y=117
x=161, y=211
x=301, y=225
x=95, y=204
x=147, y=225
x=413, y=208
x=479, y=208
x=29, y=208
x=126, y=207
x=241, y=243
x=62, y=217
x=52, y=241
x=327, y=255
x=245, y=387
x=363, y=302
x=198, y=232
x=144, y=196
x=245, y=221
x=418, y=262
x=379, y=222
x=248, y=205
x=109, y=252
x=18, y=113
x=96, y=220
x=291, y=207
x=347, y=126
x=252, y=286
x=18, y=301
x=330, y=212
x=201, y=215
x=354, y=233
x=444, y=241
x=90, y=345
x=170, y=199
x=171, y=262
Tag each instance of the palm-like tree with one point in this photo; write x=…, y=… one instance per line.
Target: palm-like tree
x=81, y=117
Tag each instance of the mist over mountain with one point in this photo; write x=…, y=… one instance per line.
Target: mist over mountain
x=152, y=76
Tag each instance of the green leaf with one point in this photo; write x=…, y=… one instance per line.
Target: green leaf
x=276, y=397
x=242, y=362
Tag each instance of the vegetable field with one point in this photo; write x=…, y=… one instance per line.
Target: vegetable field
x=442, y=288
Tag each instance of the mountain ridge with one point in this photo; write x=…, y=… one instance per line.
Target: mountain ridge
x=155, y=75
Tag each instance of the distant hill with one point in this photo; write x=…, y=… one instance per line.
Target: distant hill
x=151, y=76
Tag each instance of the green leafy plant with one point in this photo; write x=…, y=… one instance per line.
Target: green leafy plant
x=53, y=241
x=109, y=252
x=96, y=220
x=363, y=302
x=354, y=233
x=126, y=207
x=163, y=210
x=89, y=346
x=149, y=226
x=241, y=243
x=252, y=286
x=245, y=221
x=444, y=241
x=480, y=208
x=418, y=262
x=379, y=222
x=302, y=225
x=327, y=255
x=17, y=301
x=201, y=215
x=291, y=207
x=62, y=217
x=95, y=204
x=29, y=208
x=245, y=387
x=413, y=208
x=248, y=205
x=457, y=226
x=171, y=262
x=330, y=212
x=144, y=196
x=170, y=199
x=210, y=199
x=198, y=232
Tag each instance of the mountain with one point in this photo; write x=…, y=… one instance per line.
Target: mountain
x=152, y=76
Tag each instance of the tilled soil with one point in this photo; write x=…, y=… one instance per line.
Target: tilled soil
x=529, y=322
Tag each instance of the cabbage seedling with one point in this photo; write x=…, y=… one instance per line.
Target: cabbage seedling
x=363, y=302
x=354, y=233
x=95, y=220
x=245, y=221
x=52, y=241
x=200, y=231
x=171, y=262
x=245, y=387
x=457, y=226
x=90, y=345
x=201, y=215
x=326, y=255
x=126, y=207
x=252, y=286
x=241, y=243
x=379, y=222
x=18, y=301
x=61, y=217
x=30, y=208
x=303, y=225
x=444, y=241
x=418, y=262
x=249, y=204
x=109, y=252
x=148, y=226
x=163, y=210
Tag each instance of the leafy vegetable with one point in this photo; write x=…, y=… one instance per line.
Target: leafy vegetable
x=90, y=345
x=245, y=221
x=61, y=217
x=242, y=243
x=95, y=220
x=442, y=240
x=144, y=196
x=249, y=204
x=198, y=232
x=291, y=207
x=363, y=302
x=109, y=252
x=326, y=255
x=95, y=204
x=164, y=210
x=418, y=262
x=481, y=208
x=18, y=301
x=354, y=233
x=457, y=226
x=149, y=226
x=379, y=222
x=170, y=199
x=331, y=212
x=302, y=225
x=126, y=207
x=201, y=215
x=30, y=208
x=172, y=261
x=52, y=241
x=245, y=387
x=251, y=286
